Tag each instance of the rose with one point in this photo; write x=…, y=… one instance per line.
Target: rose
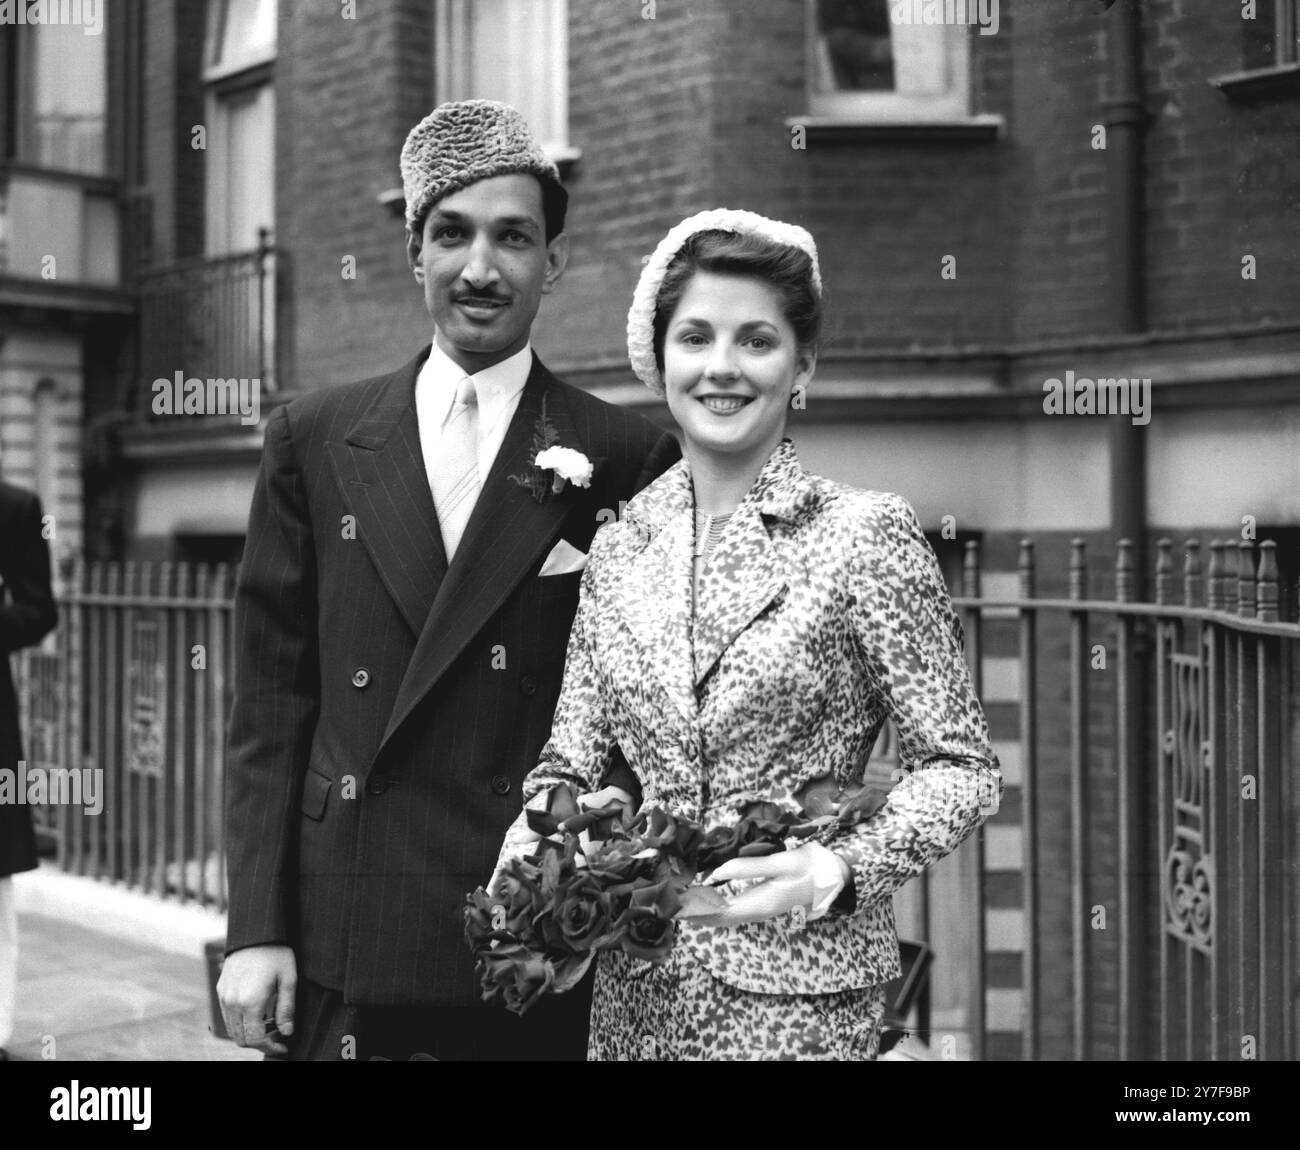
x=648, y=921
x=496, y=968
x=718, y=845
x=567, y=464
x=763, y=829
x=583, y=913
x=484, y=921
x=529, y=978
x=519, y=889
x=619, y=861
x=678, y=837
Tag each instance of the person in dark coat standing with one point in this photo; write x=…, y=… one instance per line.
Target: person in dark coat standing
x=27, y=615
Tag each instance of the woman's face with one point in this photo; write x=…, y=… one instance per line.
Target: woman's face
x=731, y=362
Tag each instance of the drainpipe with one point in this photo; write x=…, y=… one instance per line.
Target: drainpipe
x=1124, y=120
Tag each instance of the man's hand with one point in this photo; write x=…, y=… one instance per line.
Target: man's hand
x=256, y=989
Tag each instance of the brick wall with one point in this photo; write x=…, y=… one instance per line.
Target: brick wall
x=347, y=92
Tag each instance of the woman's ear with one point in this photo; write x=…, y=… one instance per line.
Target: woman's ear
x=804, y=367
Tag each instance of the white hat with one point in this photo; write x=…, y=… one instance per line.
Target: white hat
x=641, y=316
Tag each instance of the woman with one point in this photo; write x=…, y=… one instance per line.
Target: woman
x=743, y=629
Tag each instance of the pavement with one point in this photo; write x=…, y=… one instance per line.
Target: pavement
x=106, y=974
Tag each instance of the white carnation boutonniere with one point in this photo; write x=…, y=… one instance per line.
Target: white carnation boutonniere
x=564, y=463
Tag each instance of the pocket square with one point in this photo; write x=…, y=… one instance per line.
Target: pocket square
x=564, y=559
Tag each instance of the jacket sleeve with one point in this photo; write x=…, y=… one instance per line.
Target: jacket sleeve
x=582, y=746
x=27, y=611
x=277, y=697
x=911, y=640
x=665, y=452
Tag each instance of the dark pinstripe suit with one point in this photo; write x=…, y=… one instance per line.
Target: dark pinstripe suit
x=388, y=708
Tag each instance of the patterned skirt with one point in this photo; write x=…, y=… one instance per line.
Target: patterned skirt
x=678, y=1011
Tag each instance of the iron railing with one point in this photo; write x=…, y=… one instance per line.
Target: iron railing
x=136, y=684
x=1159, y=774
x=1155, y=799
x=211, y=317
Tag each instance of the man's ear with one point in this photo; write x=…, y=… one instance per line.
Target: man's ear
x=414, y=245
x=557, y=259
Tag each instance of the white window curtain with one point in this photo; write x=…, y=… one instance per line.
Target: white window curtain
x=241, y=168
x=515, y=51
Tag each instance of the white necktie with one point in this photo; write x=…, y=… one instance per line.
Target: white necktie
x=455, y=476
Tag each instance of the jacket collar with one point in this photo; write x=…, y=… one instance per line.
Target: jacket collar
x=783, y=491
x=747, y=571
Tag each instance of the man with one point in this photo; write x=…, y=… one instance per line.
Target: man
x=407, y=589
x=27, y=615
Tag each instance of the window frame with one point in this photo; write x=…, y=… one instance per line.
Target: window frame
x=892, y=107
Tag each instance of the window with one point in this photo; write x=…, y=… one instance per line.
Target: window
x=1270, y=53
x=515, y=51
x=1288, y=32
x=239, y=55
x=241, y=34
x=865, y=65
x=62, y=98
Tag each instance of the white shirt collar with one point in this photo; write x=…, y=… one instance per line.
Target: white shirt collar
x=496, y=386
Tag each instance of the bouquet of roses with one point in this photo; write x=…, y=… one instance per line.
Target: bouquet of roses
x=604, y=880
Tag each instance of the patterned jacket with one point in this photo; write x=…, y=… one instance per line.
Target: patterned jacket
x=821, y=613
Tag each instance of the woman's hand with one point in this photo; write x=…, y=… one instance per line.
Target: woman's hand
x=801, y=883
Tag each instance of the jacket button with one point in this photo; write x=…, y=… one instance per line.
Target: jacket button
x=500, y=784
x=376, y=785
x=360, y=677
x=528, y=685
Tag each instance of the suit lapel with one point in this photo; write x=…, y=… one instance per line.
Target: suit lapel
x=381, y=471
x=743, y=576
x=748, y=570
x=653, y=597
x=507, y=534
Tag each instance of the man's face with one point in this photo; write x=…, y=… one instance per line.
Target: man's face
x=484, y=264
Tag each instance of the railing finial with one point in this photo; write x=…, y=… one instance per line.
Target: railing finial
x=1246, y=579
x=1214, y=601
x=1124, y=571
x=970, y=574
x=1193, y=580
x=1266, y=611
x=1025, y=567
x=1078, y=569
x=1164, y=570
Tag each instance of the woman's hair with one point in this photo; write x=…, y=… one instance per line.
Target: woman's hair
x=786, y=269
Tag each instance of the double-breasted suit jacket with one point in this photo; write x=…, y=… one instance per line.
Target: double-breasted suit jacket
x=27, y=615
x=388, y=706
x=821, y=612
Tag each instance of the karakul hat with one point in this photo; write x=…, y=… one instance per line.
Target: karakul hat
x=460, y=143
x=641, y=316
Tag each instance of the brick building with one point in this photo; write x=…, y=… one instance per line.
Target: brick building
x=995, y=209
